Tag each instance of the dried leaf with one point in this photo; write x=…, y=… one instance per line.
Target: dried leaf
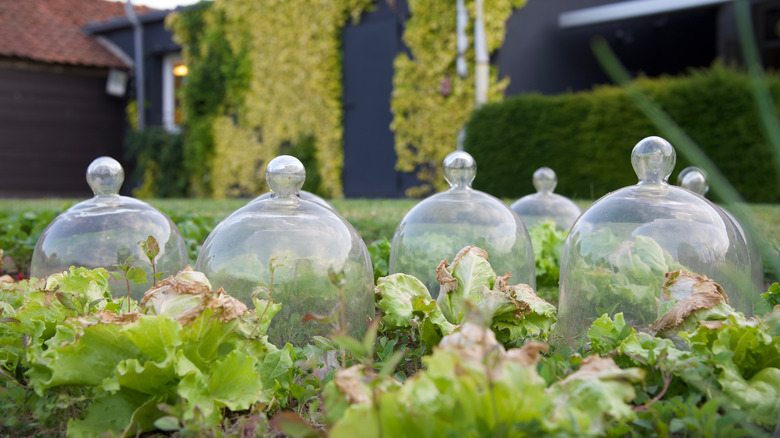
x=528, y=354
x=680, y=284
x=186, y=295
x=471, y=341
x=446, y=280
x=231, y=307
x=6, y=278
x=125, y=318
x=604, y=368
x=712, y=325
x=693, y=292
x=350, y=382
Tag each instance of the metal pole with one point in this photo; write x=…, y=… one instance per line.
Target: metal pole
x=138, y=60
x=482, y=65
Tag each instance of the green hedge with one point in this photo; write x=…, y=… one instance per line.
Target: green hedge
x=587, y=137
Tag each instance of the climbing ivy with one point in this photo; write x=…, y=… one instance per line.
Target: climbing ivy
x=215, y=87
x=430, y=101
x=265, y=78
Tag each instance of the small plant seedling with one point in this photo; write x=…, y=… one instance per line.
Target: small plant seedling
x=128, y=273
x=151, y=249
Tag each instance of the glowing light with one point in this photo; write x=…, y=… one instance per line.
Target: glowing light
x=180, y=70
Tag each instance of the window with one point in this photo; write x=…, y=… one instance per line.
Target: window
x=174, y=72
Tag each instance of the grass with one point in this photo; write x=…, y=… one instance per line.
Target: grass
x=373, y=218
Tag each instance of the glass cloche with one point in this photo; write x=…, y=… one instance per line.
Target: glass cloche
x=297, y=252
x=619, y=250
x=441, y=225
x=695, y=180
x=106, y=230
x=545, y=205
x=303, y=195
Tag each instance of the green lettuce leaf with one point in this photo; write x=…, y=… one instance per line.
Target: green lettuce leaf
x=405, y=301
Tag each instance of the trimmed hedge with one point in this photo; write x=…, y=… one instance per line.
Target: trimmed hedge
x=587, y=137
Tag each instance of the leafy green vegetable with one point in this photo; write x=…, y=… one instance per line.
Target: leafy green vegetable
x=194, y=357
x=772, y=296
x=406, y=303
x=547, y=241
x=380, y=257
x=470, y=285
x=473, y=387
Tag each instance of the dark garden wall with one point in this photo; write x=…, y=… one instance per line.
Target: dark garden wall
x=539, y=56
x=53, y=123
x=587, y=137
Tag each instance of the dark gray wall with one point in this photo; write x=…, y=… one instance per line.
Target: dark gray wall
x=539, y=56
x=369, y=145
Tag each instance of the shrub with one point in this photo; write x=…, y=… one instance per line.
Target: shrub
x=587, y=137
x=158, y=156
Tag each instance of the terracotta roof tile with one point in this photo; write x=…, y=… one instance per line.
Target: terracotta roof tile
x=50, y=30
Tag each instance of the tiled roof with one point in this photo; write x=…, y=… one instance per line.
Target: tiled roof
x=50, y=31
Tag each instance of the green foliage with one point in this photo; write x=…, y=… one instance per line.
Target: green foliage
x=772, y=296
x=380, y=257
x=217, y=81
x=19, y=232
x=587, y=137
x=471, y=386
x=265, y=79
x=469, y=290
x=430, y=102
x=547, y=242
x=192, y=361
x=159, y=163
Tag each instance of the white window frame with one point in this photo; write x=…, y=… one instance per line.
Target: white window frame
x=168, y=98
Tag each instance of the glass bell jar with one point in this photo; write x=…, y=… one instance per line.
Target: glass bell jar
x=303, y=195
x=296, y=252
x=544, y=205
x=105, y=231
x=619, y=250
x=695, y=180
x=441, y=225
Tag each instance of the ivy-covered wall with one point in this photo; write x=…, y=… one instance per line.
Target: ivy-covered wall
x=265, y=78
x=430, y=102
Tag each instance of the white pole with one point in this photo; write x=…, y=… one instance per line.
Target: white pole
x=462, y=39
x=138, y=50
x=482, y=67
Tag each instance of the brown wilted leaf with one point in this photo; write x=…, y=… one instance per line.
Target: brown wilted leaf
x=604, y=368
x=518, y=291
x=231, y=307
x=6, y=279
x=693, y=292
x=528, y=354
x=350, y=382
x=194, y=288
x=471, y=341
x=712, y=325
x=446, y=280
x=108, y=317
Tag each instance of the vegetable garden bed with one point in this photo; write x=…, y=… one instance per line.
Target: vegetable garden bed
x=479, y=361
